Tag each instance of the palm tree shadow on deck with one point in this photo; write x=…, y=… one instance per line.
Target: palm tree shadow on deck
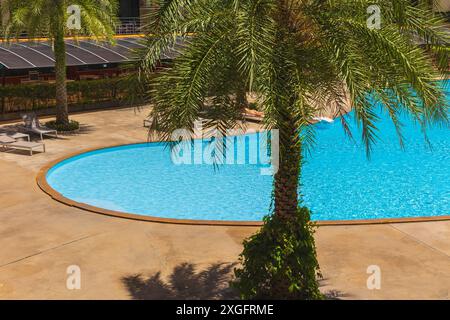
x=184, y=283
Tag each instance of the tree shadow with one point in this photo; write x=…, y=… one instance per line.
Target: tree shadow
x=331, y=294
x=11, y=129
x=85, y=129
x=14, y=128
x=184, y=283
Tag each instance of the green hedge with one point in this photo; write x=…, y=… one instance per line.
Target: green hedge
x=27, y=97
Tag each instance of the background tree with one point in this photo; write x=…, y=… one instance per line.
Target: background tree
x=298, y=56
x=49, y=18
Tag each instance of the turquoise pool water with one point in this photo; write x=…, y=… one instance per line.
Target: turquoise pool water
x=339, y=183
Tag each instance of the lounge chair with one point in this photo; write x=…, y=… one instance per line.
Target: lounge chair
x=4, y=140
x=17, y=135
x=253, y=115
x=148, y=122
x=11, y=143
x=31, y=124
x=326, y=119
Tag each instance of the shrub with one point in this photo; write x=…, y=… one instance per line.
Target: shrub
x=279, y=262
x=27, y=97
x=253, y=106
x=71, y=126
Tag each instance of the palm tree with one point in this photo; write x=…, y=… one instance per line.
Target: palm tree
x=50, y=18
x=298, y=56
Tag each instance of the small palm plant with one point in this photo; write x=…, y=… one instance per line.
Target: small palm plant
x=298, y=57
x=50, y=18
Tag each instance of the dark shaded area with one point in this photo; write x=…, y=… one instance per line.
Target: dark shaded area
x=184, y=283
x=187, y=283
x=331, y=294
x=84, y=129
x=129, y=8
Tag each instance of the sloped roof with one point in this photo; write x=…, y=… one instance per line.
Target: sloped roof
x=80, y=52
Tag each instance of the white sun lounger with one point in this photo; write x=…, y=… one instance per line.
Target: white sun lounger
x=326, y=119
x=17, y=135
x=32, y=125
x=148, y=122
x=11, y=143
x=5, y=140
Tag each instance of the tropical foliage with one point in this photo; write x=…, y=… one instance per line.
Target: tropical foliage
x=50, y=18
x=299, y=57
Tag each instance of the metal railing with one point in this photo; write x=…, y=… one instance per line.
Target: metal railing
x=127, y=25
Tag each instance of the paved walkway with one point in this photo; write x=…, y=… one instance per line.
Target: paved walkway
x=121, y=259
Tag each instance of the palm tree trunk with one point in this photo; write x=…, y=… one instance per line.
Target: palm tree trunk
x=241, y=97
x=287, y=177
x=62, y=113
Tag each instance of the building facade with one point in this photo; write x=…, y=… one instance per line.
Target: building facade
x=133, y=8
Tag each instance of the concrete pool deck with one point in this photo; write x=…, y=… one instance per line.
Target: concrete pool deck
x=40, y=238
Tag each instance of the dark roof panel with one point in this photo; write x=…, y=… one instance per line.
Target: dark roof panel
x=131, y=43
x=28, y=54
x=42, y=49
x=12, y=60
x=85, y=55
x=109, y=54
x=36, y=58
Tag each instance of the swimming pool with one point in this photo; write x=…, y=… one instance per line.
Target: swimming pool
x=339, y=182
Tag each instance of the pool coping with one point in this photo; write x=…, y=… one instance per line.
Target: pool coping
x=55, y=195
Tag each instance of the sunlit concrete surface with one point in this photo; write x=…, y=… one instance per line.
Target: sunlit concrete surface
x=125, y=259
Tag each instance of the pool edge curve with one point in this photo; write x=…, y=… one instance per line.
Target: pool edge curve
x=41, y=180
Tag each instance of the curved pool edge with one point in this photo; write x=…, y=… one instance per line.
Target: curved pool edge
x=41, y=180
